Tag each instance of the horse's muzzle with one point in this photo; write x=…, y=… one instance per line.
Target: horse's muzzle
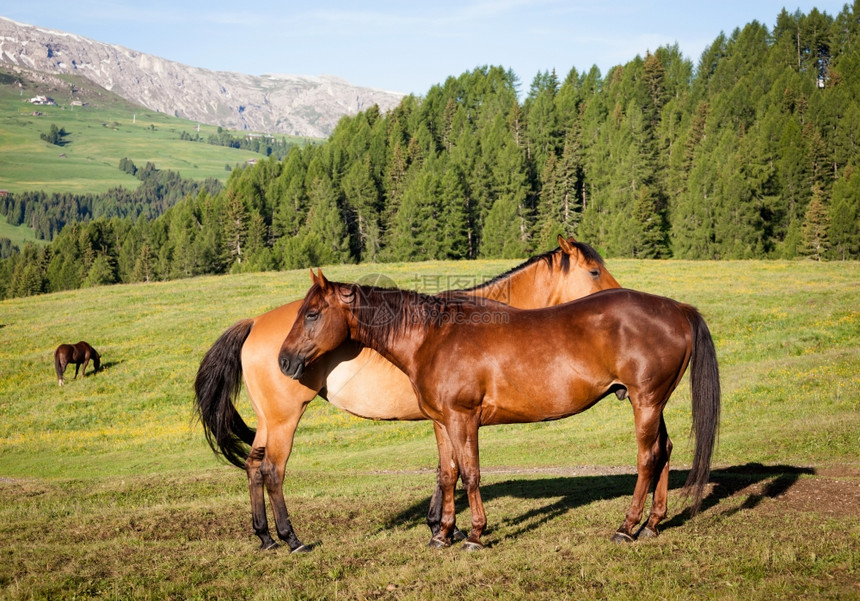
x=292, y=366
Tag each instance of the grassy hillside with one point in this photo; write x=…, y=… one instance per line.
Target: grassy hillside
x=107, y=488
x=100, y=133
x=18, y=234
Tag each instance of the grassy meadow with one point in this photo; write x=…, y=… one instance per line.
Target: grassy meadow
x=100, y=133
x=109, y=491
x=18, y=234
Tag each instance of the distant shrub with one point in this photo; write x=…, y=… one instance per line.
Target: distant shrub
x=55, y=135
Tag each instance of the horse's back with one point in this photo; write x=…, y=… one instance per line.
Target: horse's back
x=83, y=349
x=608, y=314
x=551, y=363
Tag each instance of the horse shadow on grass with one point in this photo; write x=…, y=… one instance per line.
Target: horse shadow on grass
x=106, y=365
x=569, y=493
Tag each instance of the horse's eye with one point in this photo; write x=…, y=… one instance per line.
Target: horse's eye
x=595, y=273
x=311, y=315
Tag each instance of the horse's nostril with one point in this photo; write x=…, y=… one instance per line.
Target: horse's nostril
x=292, y=367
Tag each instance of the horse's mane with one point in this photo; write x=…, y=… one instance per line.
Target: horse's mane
x=549, y=258
x=383, y=314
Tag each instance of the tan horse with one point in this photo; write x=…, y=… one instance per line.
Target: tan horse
x=351, y=377
x=475, y=362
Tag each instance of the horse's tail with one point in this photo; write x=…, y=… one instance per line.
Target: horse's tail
x=58, y=365
x=705, y=390
x=216, y=387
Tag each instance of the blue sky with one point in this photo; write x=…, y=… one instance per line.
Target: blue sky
x=402, y=45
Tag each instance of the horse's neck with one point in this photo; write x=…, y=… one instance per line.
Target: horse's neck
x=399, y=349
x=526, y=288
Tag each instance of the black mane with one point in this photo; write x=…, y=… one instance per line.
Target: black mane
x=383, y=313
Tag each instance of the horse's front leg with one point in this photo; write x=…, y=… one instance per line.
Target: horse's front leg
x=280, y=445
x=84, y=368
x=259, y=521
x=434, y=513
x=77, y=367
x=463, y=431
x=445, y=482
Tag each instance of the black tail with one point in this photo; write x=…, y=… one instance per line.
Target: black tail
x=705, y=390
x=218, y=382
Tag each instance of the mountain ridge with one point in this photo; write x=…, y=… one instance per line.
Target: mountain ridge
x=299, y=105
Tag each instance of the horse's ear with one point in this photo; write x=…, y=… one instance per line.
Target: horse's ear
x=313, y=277
x=566, y=245
x=322, y=281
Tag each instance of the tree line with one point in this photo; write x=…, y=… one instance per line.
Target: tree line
x=750, y=153
x=262, y=144
x=47, y=214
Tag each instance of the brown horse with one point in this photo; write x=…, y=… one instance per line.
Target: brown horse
x=351, y=377
x=476, y=362
x=79, y=353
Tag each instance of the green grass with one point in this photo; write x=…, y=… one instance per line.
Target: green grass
x=18, y=234
x=100, y=133
x=108, y=490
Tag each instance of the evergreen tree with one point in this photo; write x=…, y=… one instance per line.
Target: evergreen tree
x=361, y=196
x=814, y=237
x=543, y=130
x=102, y=271
x=844, y=233
x=144, y=266
x=327, y=239
x=560, y=206
x=454, y=230
x=501, y=239
x=236, y=217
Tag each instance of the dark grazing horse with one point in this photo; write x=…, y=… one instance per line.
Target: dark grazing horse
x=353, y=378
x=474, y=362
x=79, y=353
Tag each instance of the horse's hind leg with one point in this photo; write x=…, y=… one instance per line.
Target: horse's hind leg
x=647, y=422
x=659, y=507
x=61, y=370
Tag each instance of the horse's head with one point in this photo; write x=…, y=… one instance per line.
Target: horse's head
x=585, y=272
x=97, y=360
x=321, y=325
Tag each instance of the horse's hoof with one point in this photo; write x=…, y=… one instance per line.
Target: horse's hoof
x=471, y=546
x=458, y=535
x=621, y=537
x=647, y=532
x=301, y=549
x=269, y=546
x=438, y=543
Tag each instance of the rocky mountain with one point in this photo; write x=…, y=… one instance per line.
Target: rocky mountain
x=284, y=104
